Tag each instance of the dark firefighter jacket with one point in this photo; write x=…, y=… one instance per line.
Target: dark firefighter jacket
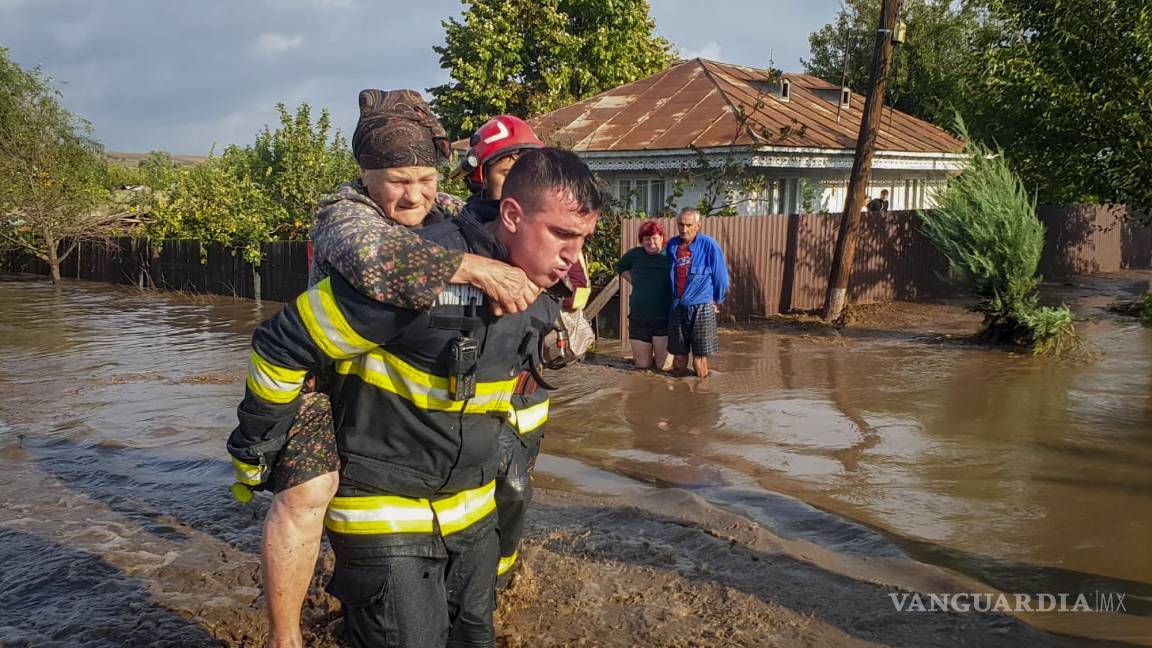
x=414, y=459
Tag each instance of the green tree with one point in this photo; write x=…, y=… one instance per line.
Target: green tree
x=987, y=229
x=52, y=171
x=527, y=57
x=298, y=163
x=156, y=169
x=251, y=194
x=216, y=201
x=934, y=70
x=1068, y=92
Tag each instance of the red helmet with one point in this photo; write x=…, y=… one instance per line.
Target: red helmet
x=500, y=136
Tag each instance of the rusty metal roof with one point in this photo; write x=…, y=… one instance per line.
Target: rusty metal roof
x=697, y=103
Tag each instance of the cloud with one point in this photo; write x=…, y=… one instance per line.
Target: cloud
x=181, y=75
x=277, y=43
x=711, y=50
x=314, y=4
x=71, y=34
x=756, y=33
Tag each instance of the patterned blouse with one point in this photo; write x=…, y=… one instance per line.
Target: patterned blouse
x=383, y=259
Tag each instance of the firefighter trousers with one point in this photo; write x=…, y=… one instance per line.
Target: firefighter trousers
x=514, y=492
x=418, y=601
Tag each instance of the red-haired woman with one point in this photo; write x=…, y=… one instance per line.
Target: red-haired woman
x=648, y=267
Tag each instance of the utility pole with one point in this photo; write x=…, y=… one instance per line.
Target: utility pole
x=837, y=297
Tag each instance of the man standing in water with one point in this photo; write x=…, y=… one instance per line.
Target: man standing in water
x=699, y=284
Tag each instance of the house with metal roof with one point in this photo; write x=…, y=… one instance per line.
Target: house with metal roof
x=700, y=129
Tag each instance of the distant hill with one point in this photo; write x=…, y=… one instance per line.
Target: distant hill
x=133, y=159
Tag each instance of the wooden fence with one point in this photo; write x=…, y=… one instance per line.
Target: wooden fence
x=190, y=266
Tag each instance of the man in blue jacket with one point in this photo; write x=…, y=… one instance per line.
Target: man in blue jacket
x=699, y=284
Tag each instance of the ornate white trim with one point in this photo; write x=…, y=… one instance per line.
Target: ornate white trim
x=769, y=158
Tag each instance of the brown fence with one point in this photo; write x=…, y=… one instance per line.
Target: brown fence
x=191, y=266
x=1092, y=238
x=780, y=263
x=777, y=263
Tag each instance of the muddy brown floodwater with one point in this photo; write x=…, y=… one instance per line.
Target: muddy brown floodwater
x=786, y=500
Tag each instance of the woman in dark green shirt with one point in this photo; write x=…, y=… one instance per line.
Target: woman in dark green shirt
x=648, y=267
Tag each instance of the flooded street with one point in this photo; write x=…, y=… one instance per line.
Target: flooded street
x=1023, y=474
x=986, y=455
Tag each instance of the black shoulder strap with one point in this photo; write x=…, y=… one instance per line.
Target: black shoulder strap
x=480, y=239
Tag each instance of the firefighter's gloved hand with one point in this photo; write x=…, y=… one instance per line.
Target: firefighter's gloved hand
x=249, y=478
x=241, y=492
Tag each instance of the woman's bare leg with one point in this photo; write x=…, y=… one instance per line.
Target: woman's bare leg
x=660, y=352
x=292, y=534
x=641, y=354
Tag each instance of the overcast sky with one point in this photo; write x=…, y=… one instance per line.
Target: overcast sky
x=179, y=76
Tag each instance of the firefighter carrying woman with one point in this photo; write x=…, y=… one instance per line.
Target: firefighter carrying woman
x=425, y=351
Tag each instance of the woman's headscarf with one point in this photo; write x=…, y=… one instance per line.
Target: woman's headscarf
x=396, y=128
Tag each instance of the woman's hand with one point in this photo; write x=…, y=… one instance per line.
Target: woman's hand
x=507, y=286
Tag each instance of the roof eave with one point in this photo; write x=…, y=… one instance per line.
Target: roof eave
x=791, y=150
x=773, y=157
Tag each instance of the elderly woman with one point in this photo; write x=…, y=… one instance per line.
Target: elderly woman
x=361, y=233
x=648, y=268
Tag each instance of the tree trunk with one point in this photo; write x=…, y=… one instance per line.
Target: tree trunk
x=54, y=260
x=837, y=296
x=256, y=283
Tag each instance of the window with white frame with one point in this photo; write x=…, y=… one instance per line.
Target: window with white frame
x=642, y=194
x=778, y=196
x=756, y=202
x=787, y=196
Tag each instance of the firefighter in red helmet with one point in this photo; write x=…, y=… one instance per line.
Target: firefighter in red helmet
x=493, y=150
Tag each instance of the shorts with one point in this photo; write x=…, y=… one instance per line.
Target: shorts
x=643, y=329
x=692, y=329
x=311, y=447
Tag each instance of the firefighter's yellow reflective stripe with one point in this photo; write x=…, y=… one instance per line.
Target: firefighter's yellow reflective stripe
x=379, y=514
x=427, y=391
x=272, y=383
x=580, y=298
x=246, y=474
x=393, y=514
x=529, y=418
x=327, y=325
x=506, y=563
x=465, y=508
